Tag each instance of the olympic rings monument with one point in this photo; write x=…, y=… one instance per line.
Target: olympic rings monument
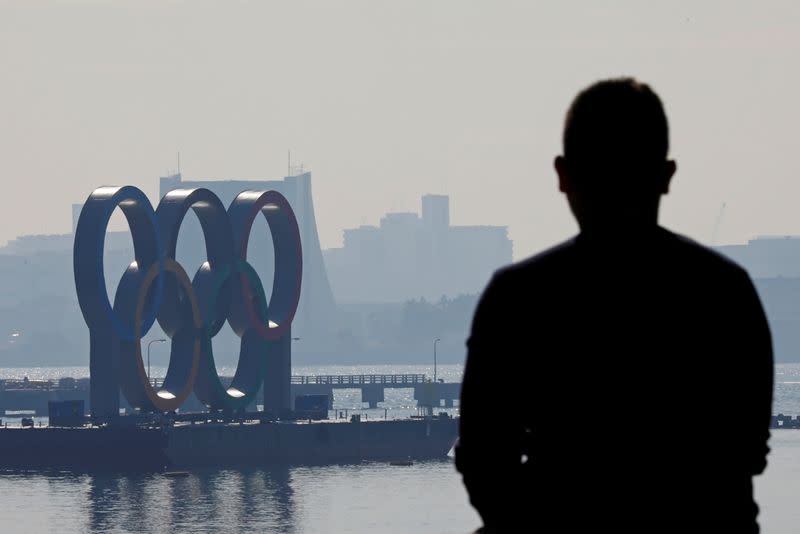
x=155, y=287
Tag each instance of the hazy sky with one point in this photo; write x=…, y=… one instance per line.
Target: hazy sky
x=386, y=101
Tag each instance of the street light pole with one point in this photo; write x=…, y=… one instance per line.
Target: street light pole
x=434, y=358
x=162, y=340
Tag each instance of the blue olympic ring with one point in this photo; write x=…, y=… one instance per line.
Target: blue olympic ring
x=156, y=287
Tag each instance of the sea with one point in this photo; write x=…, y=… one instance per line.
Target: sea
x=372, y=497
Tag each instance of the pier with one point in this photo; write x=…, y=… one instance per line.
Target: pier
x=426, y=392
x=34, y=395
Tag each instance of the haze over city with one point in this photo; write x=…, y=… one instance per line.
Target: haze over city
x=308, y=377
x=386, y=101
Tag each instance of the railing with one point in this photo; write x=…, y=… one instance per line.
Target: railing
x=326, y=380
x=359, y=380
x=29, y=385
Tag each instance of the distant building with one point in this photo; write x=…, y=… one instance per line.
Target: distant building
x=39, y=312
x=767, y=256
x=773, y=263
x=781, y=300
x=317, y=311
x=408, y=256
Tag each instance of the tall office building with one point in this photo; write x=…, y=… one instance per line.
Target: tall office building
x=408, y=256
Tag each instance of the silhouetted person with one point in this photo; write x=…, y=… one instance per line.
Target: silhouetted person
x=622, y=380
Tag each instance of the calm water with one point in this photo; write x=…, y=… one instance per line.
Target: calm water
x=371, y=497
x=425, y=497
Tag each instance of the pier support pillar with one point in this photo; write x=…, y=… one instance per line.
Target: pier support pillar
x=278, y=375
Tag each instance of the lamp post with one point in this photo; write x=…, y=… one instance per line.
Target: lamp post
x=434, y=358
x=162, y=340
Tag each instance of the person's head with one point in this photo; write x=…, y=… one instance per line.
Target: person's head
x=614, y=168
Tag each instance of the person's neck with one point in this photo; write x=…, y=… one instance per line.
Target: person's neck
x=618, y=232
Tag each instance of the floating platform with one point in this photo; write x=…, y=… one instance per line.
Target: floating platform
x=784, y=422
x=186, y=445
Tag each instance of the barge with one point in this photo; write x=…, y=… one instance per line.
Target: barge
x=188, y=444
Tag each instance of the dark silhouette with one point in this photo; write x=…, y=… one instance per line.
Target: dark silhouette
x=622, y=380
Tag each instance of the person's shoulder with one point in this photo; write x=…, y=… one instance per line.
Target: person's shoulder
x=552, y=258
x=701, y=256
x=509, y=282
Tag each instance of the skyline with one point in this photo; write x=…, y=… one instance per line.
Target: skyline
x=118, y=224
x=387, y=101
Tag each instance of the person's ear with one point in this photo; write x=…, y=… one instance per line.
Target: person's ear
x=560, y=165
x=669, y=171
